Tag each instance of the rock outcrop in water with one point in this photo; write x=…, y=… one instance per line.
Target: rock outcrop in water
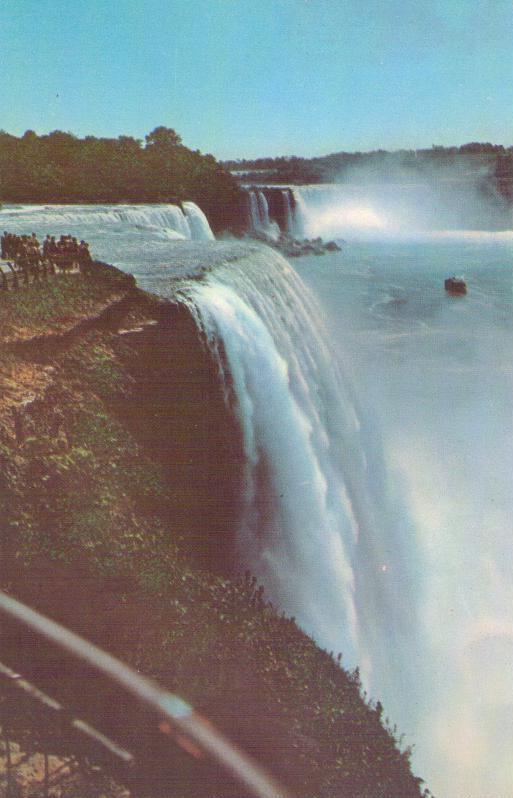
x=294, y=248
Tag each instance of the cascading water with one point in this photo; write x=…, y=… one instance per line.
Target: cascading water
x=289, y=217
x=259, y=215
x=254, y=211
x=133, y=237
x=263, y=207
x=198, y=222
x=377, y=210
x=311, y=515
x=334, y=211
x=167, y=220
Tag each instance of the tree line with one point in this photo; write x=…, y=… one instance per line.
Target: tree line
x=59, y=167
x=491, y=162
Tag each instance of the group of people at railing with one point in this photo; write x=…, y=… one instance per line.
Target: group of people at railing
x=25, y=250
x=28, y=259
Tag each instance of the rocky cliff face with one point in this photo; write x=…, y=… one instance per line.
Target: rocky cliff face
x=177, y=412
x=138, y=374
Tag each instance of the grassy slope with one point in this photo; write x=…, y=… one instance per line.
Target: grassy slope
x=90, y=535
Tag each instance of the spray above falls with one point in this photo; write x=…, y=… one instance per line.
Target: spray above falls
x=363, y=209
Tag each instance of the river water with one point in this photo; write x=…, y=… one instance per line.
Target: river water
x=433, y=375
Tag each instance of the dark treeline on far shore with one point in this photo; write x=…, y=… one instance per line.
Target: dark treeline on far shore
x=61, y=168
x=491, y=162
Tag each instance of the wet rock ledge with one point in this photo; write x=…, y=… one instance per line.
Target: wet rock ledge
x=295, y=248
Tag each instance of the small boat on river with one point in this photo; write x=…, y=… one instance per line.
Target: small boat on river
x=455, y=285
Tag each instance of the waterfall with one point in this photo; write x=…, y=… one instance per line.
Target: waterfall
x=395, y=210
x=334, y=211
x=289, y=218
x=259, y=215
x=309, y=519
x=297, y=528
x=263, y=207
x=198, y=222
x=166, y=221
x=254, y=212
x=301, y=216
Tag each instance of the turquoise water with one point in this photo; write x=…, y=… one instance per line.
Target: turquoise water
x=433, y=375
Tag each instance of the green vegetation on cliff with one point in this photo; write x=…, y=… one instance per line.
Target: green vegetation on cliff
x=61, y=168
x=111, y=467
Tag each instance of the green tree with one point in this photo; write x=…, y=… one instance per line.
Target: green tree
x=163, y=137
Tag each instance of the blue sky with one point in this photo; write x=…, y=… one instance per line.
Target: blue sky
x=243, y=78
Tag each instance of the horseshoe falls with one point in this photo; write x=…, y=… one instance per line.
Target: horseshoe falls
x=376, y=427
x=442, y=207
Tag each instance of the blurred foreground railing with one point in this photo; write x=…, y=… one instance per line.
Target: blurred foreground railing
x=175, y=719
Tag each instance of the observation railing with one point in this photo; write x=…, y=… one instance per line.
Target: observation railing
x=147, y=733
